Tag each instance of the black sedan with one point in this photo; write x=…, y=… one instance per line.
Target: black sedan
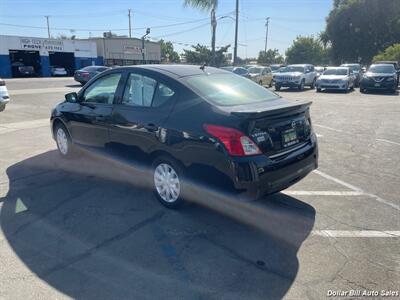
x=379, y=77
x=85, y=74
x=184, y=116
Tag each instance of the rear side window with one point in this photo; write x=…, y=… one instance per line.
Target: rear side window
x=139, y=90
x=229, y=89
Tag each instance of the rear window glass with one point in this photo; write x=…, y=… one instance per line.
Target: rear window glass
x=229, y=89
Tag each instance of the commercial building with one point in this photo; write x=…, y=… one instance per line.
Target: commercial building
x=41, y=54
x=121, y=51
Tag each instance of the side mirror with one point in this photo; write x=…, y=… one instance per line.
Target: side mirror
x=71, y=97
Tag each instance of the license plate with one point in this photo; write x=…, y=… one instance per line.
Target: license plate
x=289, y=137
x=377, y=84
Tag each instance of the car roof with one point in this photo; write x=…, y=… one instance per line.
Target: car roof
x=350, y=65
x=176, y=70
x=381, y=64
x=299, y=65
x=341, y=67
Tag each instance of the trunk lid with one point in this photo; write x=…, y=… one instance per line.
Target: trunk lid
x=277, y=127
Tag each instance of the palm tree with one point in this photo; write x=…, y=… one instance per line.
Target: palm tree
x=208, y=6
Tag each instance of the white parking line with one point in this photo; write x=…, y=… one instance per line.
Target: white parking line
x=356, y=233
x=357, y=189
x=323, y=193
x=326, y=127
x=10, y=127
x=387, y=141
x=40, y=91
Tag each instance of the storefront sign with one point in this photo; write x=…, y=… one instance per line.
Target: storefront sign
x=42, y=44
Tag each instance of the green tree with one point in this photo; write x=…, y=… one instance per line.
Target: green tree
x=211, y=7
x=358, y=29
x=168, y=54
x=391, y=53
x=307, y=50
x=272, y=56
x=203, y=55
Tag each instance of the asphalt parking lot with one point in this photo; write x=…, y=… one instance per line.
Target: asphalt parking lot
x=90, y=229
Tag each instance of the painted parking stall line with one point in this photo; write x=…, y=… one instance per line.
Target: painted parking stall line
x=356, y=233
x=324, y=193
x=387, y=141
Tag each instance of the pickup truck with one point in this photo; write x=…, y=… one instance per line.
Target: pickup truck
x=296, y=76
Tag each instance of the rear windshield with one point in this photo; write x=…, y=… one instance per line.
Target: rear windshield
x=336, y=72
x=352, y=67
x=94, y=69
x=240, y=71
x=382, y=69
x=254, y=70
x=229, y=89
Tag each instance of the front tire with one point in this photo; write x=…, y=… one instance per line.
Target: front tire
x=63, y=141
x=167, y=182
x=301, y=86
x=277, y=87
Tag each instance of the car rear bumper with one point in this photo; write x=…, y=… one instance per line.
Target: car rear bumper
x=260, y=175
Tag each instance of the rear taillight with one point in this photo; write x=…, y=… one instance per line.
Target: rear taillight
x=235, y=142
x=2, y=83
x=85, y=74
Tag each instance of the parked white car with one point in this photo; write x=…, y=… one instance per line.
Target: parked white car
x=336, y=78
x=296, y=76
x=58, y=71
x=4, y=96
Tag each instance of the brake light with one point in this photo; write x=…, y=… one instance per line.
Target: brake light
x=235, y=142
x=85, y=74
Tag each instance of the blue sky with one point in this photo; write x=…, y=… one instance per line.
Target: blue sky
x=288, y=18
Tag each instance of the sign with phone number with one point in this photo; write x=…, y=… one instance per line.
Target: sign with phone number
x=41, y=44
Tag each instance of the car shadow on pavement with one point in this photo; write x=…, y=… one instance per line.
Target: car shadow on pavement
x=91, y=229
x=74, y=85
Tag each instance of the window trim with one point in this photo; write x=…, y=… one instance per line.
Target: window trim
x=117, y=94
x=153, y=76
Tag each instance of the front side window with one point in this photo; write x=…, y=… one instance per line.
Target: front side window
x=229, y=89
x=103, y=89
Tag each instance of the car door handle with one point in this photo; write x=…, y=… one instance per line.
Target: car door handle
x=151, y=127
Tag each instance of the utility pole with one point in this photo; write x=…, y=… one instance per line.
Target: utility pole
x=143, y=48
x=48, y=26
x=236, y=33
x=130, y=28
x=266, y=35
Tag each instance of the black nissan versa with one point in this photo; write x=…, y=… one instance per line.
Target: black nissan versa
x=180, y=115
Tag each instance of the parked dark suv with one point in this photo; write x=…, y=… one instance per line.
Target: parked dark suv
x=379, y=77
x=183, y=116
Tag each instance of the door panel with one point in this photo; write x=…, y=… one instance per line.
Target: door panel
x=138, y=120
x=90, y=123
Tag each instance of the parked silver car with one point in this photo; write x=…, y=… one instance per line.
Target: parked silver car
x=4, y=96
x=336, y=78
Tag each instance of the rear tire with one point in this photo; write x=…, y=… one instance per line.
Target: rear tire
x=260, y=83
x=319, y=90
x=168, y=181
x=312, y=86
x=271, y=83
x=277, y=87
x=2, y=107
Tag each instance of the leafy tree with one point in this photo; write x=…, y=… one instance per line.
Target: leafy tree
x=358, y=29
x=307, y=50
x=208, y=6
x=272, y=56
x=391, y=53
x=203, y=55
x=168, y=54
